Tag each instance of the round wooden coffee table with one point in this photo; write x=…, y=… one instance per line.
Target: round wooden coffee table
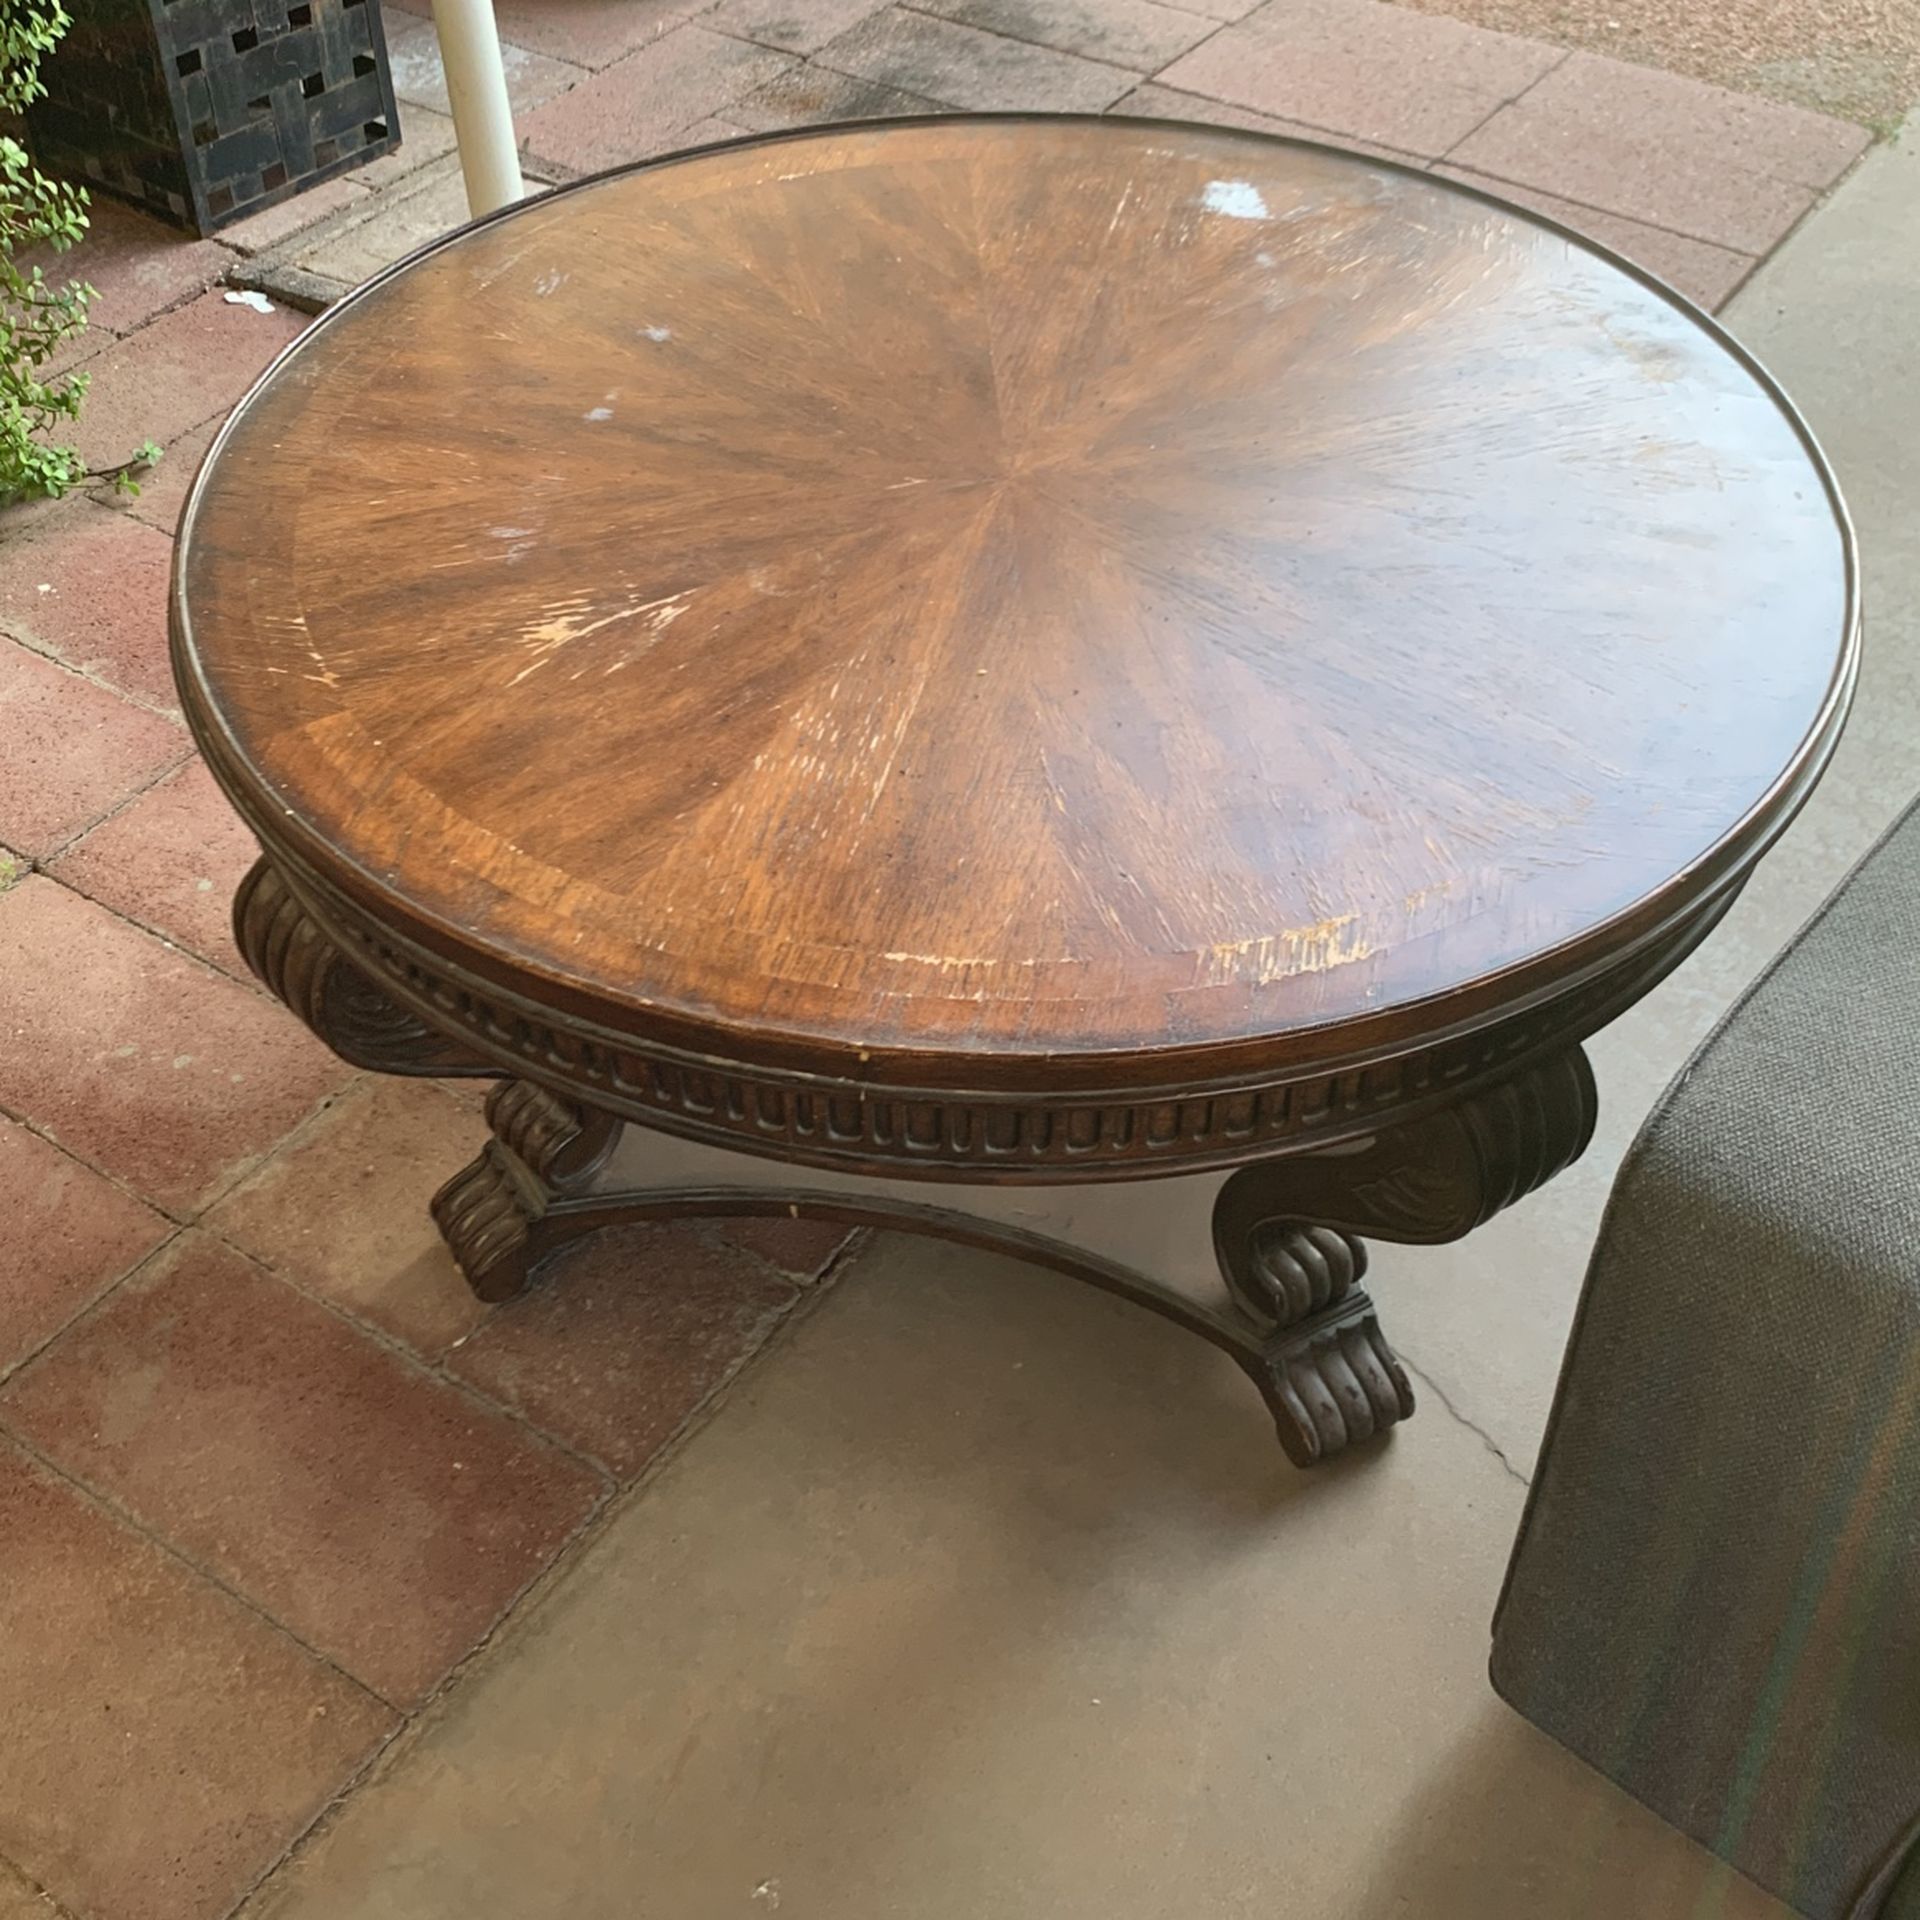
x=1119, y=690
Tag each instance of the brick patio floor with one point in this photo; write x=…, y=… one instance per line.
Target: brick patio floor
x=268, y=1474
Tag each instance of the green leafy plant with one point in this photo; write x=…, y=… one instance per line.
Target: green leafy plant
x=37, y=316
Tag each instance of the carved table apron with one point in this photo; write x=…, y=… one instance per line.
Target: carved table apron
x=1119, y=691
x=1264, y=1259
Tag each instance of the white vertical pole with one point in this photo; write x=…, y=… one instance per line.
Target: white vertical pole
x=477, y=91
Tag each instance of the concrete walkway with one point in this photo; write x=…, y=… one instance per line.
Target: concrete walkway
x=984, y=1595
x=277, y=1492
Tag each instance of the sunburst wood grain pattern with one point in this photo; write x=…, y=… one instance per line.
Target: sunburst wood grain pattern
x=1049, y=593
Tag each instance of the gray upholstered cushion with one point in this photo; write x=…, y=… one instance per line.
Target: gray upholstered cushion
x=1716, y=1594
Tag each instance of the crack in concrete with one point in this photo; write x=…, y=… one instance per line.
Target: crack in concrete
x=1428, y=1382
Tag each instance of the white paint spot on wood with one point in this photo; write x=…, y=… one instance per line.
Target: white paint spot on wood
x=1237, y=199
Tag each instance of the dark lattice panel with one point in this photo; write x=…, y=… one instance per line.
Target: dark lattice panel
x=207, y=110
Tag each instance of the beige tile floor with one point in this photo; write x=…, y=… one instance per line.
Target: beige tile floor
x=986, y=1595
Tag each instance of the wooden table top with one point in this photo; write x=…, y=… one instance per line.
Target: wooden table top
x=1018, y=591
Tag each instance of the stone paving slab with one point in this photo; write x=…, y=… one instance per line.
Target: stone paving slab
x=384, y=1517
x=88, y=587
x=75, y=751
x=420, y=80
x=71, y=1234
x=166, y=1744
x=426, y=205
x=813, y=96
x=187, y=366
x=169, y=860
x=963, y=67
x=1125, y=33
x=275, y=225
x=640, y=105
x=1665, y=151
x=1411, y=81
x=794, y=26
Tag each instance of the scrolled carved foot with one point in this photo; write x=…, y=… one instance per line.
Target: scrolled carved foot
x=1291, y=1271
x=1287, y=1236
x=1326, y=1370
x=1333, y=1383
x=561, y=1144
x=491, y=1213
x=487, y=1219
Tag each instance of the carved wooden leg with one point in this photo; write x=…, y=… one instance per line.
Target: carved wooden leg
x=298, y=964
x=543, y=1148
x=1286, y=1234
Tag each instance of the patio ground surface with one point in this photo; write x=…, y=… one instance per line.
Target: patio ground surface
x=740, y=1570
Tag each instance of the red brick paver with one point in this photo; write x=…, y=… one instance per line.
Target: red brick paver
x=342, y=1211
x=387, y=1518
x=88, y=586
x=1669, y=152
x=188, y=366
x=137, y=266
x=641, y=105
x=171, y=860
x=1167, y=103
x=163, y=1743
x=1413, y=81
x=794, y=26
x=967, y=68
x=70, y=1235
x=800, y=1247
x=812, y=96
x=140, y=1059
x=1140, y=34
x=74, y=751
x=163, y=489
x=625, y=1339
x=589, y=33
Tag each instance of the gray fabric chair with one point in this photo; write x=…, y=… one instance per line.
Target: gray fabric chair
x=1715, y=1594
